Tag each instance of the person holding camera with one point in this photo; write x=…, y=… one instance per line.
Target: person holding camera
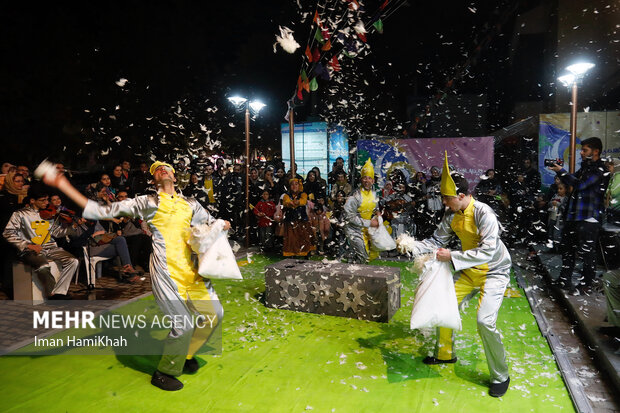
x=583, y=215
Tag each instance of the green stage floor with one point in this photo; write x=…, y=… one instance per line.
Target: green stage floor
x=283, y=361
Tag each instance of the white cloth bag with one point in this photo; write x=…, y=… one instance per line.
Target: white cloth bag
x=380, y=238
x=435, y=298
x=215, y=256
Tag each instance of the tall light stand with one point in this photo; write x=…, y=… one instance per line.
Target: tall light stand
x=255, y=106
x=576, y=74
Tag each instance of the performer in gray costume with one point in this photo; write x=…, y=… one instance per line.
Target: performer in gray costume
x=177, y=287
x=483, y=264
x=358, y=214
x=32, y=236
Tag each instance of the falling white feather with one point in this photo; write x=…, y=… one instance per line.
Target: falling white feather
x=286, y=40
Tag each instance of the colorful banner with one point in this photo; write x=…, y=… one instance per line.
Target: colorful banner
x=554, y=138
x=469, y=156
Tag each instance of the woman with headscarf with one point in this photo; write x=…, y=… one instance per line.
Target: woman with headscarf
x=298, y=233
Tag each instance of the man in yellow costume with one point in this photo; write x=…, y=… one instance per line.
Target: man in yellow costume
x=358, y=214
x=483, y=264
x=177, y=287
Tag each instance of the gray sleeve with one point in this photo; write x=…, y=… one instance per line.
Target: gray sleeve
x=350, y=213
x=127, y=208
x=201, y=215
x=13, y=234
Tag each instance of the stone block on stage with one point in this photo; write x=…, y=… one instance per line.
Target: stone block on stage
x=365, y=292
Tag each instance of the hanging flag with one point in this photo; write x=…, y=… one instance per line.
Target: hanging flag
x=316, y=16
x=306, y=85
x=385, y=3
x=335, y=64
x=378, y=25
x=321, y=71
x=314, y=85
x=304, y=75
x=353, y=5
x=326, y=46
x=362, y=37
x=309, y=54
x=299, y=94
x=316, y=55
x=325, y=33
x=318, y=36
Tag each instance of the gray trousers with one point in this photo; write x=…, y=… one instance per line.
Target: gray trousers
x=40, y=262
x=492, y=287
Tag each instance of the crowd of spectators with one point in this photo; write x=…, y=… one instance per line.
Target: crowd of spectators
x=303, y=216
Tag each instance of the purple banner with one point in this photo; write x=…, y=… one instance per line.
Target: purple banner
x=469, y=156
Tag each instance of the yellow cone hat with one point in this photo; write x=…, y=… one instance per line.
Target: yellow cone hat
x=368, y=169
x=447, y=186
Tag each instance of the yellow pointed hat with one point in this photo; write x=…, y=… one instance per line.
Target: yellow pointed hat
x=447, y=186
x=368, y=169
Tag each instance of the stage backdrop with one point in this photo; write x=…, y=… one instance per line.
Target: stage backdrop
x=315, y=145
x=554, y=137
x=470, y=156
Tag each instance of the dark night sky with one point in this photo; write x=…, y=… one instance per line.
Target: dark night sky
x=61, y=62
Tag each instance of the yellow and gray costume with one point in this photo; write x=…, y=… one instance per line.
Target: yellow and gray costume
x=177, y=287
x=358, y=212
x=483, y=264
x=26, y=227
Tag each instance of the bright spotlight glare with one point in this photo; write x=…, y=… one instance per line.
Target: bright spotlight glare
x=579, y=69
x=256, y=106
x=567, y=80
x=237, y=100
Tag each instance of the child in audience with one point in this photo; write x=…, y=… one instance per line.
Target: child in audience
x=264, y=211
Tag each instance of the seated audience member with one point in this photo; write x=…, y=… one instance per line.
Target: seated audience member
x=102, y=243
x=24, y=171
x=103, y=195
x=264, y=211
x=92, y=191
x=6, y=167
x=196, y=190
x=118, y=181
x=11, y=196
x=341, y=184
x=298, y=234
x=33, y=237
x=136, y=234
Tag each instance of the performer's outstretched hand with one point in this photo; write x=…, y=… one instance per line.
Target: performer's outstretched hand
x=443, y=255
x=226, y=225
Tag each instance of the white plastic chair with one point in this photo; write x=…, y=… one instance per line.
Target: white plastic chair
x=91, y=266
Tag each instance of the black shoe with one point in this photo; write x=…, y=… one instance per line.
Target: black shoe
x=191, y=366
x=165, y=381
x=499, y=389
x=433, y=360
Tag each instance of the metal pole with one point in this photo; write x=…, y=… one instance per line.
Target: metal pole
x=573, y=130
x=247, y=176
x=291, y=137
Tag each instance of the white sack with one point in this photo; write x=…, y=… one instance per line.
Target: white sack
x=380, y=238
x=435, y=299
x=215, y=256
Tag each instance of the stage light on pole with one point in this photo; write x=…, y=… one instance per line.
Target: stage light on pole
x=571, y=80
x=255, y=106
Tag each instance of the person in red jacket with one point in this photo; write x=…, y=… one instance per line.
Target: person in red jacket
x=264, y=211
